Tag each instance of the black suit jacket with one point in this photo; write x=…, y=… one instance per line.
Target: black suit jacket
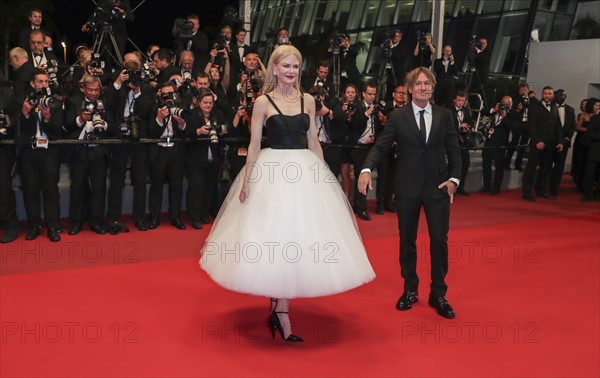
x=421, y=166
x=569, y=126
x=53, y=129
x=398, y=58
x=196, y=153
x=482, y=64
x=201, y=50
x=358, y=123
x=141, y=107
x=21, y=78
x=544, y=126
x=74, y=108
x=593, y=133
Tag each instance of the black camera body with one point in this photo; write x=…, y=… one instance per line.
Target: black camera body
x=4, y=124
x=350, y=107
x=105, y=13
x=422, y=38
x=220, y=43
x=271, y=35
x=379, y=106
x=44, y=98
x=182, y=29
x=170, y=101
x=136, y=76
x=473, y=46
x=97, y=111
x=503, y=107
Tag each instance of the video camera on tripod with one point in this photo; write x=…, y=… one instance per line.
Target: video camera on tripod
x=182, y=29
x=472, y=50
x=105, y=14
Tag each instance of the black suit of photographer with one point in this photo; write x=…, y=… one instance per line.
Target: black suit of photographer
x=544, y=126
x=445, y=76
x=465, y=159
x=482, y=69
x=8, y=202
x=497, y=139
x=520, y=135
x=559, y=157
x=117, y=22
x=349, y=73
x=201, y=169
x=40, y=167
x=88, y=163
x=165, y=162
x=356, y=129
x=200, y=48
x=139, y=105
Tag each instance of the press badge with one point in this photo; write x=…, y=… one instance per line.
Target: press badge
x=41, y=142
x=242, y=151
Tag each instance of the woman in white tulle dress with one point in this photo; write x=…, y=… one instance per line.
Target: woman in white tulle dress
x=286, y=229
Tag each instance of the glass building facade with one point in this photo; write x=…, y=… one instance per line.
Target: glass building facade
x=506, y=23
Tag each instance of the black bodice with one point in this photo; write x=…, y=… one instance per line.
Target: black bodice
x=288, y=132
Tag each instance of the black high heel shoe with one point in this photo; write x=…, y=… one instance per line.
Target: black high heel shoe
x=275, y=325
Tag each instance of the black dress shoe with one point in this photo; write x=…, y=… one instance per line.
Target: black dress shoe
x=484, y=190
x=177, y=224
x=197, y=225
x=362, y=214
x=32, y=232
x=154, y=223
x=528, y=197
x=390, y=207
x=462, y=192
x=9, y=235
x=98, y=228
x=549, y=196
x=494, y=192
x=75, y=229
x=406, y=300
x=205, y=219
x=380, y=210
x=442, y=307
x=53, y=234
x=141, y=225
x=115, y=227
x=60, y=228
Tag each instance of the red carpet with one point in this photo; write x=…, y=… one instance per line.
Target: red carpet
x=524, y=280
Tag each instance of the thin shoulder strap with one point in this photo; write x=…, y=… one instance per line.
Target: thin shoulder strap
x=301, y=102
x=273, y=103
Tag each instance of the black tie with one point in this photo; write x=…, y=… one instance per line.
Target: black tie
x=422, y=125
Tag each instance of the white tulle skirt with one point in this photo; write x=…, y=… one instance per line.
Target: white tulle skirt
x=294, y=236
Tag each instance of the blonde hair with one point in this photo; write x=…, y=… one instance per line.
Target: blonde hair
x=18, y=52
x=277, y=56
x=412, y=76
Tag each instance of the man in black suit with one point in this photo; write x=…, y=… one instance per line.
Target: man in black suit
x=546, y=135
x=482, y=69
x=110, y=17
x=88, y=116
x=35, y=23
x=320, y=79
x=198, y=44
x=133, y=101
x=566, y=116
x=22, y=71
x=239, y=49
x=166, y=158
x=426, y=138
x=40, y=121
x=398, y=58
x=363, y=125
x=503, y=120
x=349, y=73
x=445, y=71
x=463, y=121
x=8, y=202
x=519, y=134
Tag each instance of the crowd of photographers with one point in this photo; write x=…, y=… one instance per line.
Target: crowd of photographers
x=164, y=114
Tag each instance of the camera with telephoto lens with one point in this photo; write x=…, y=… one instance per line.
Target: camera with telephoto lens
x=4, y=124
x=503, y=107
x=168, y=99
x=130, y=127
x=97, y=110
x=214, y=131
x=96, y=65
x=44, y=98
x=422, y=38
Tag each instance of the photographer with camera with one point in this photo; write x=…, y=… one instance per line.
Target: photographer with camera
x=203, y=159
x=325, y=132
x=89, y=116
x=546, y=135
x=22, y=71
x=163, y=62
x=43, y=57
x=8, y=201
x=167, y=157
x=519, y=133
x=216, y=72
x=36, y=19
x=566, y=116
x=41, y=120
x=133, y=99
x=349, y=73
x=445, y=73
x=463, y=122
x=503, y=119
x=111, y=14
x=186, y=62
x=423, y=50
x=343, y=112
x=189, y=37
x=481, y=63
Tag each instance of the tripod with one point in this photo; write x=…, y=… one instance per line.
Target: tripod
x=472, y=71
x=382, y=76
x=336, y=80
x=103, y=35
